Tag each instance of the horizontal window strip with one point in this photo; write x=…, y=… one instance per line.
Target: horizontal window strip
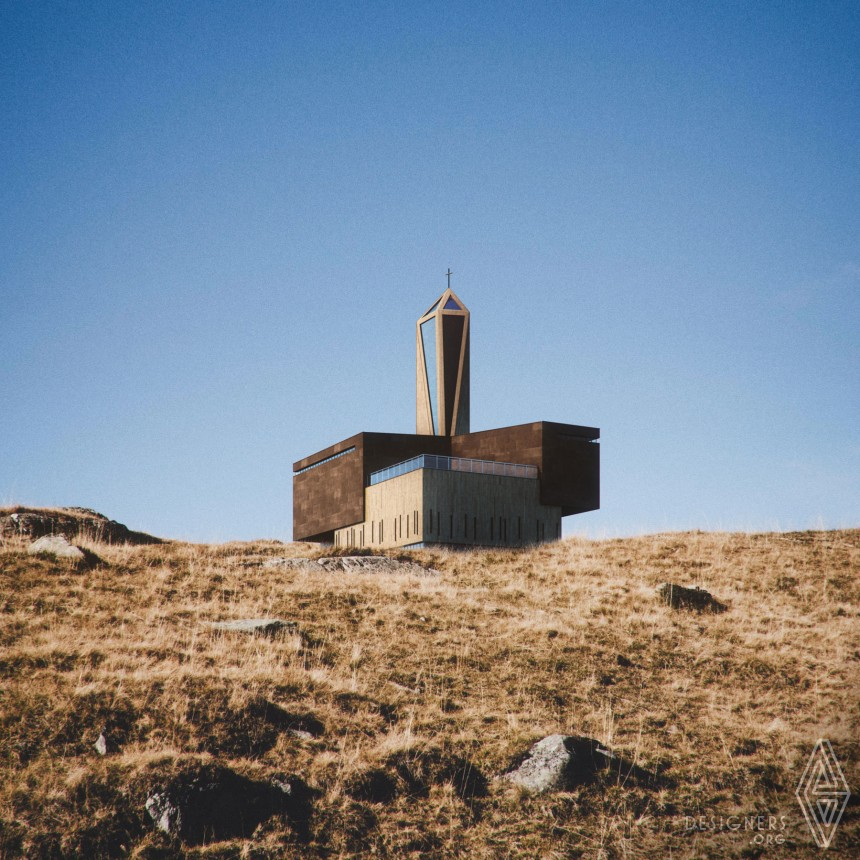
x=326, y=460
x=454, y=464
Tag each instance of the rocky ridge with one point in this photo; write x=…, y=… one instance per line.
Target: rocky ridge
x=71, y=523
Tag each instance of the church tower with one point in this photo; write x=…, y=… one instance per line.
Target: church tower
x=442, y=348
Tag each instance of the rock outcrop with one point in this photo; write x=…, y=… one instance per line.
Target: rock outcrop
x=210, y=803
x=689, y=597
x=280, y=563
x=70, y=523
x=351, y=564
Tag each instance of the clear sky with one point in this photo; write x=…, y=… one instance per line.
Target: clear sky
x=220, y=221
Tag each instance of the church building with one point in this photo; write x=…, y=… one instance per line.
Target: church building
x=445, y=485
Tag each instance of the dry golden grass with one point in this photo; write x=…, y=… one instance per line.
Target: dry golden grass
x=432, y=672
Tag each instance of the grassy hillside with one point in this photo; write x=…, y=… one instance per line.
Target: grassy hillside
x=426, y=687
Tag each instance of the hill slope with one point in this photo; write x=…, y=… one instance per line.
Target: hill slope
x=399, y=698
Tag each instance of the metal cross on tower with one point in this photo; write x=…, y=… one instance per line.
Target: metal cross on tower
x=449, y=273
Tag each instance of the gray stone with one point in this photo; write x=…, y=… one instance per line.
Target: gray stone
x=689, y=597
x=283, y=784
x=291, y=564
x=56, y=546
x=373, y=564
x=349, y=564
x=210, y=803
x=164, y=812
x=258, y=626
x=562, y=762
x=301, y=734
x=558, y=763
x=101, y=744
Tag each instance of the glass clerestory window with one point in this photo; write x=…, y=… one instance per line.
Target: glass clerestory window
x=428, y=342
x=451, y=305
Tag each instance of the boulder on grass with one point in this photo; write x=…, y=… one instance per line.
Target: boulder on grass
x=56, y=546
x=562, y=762
x=689, y=597
x=210, y=803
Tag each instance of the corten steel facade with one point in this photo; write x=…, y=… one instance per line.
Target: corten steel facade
x=333, y=499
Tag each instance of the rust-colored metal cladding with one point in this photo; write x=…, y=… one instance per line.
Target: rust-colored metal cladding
x=328, y=490
x=328, y=487
x=442, y=379
x=567, y=455
x=570, y=467
x=518, y=444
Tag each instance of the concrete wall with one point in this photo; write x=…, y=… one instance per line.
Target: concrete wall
x=466, y=509
x=396, y=507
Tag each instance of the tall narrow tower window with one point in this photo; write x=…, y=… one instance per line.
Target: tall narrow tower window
x=428, y=341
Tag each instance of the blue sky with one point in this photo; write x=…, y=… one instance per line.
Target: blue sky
x=220, y=221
